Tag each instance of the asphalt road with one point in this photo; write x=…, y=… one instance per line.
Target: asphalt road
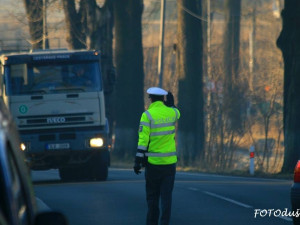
x=197, y=199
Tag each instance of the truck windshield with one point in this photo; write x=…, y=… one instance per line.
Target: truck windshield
x=24, y=79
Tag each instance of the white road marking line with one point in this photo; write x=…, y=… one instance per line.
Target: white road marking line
x=285, y=218
x=231, y=176
x=238, y=203
x=227, y=199
x=193, y=189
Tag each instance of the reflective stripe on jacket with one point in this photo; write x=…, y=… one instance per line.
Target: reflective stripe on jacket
x=157, y=133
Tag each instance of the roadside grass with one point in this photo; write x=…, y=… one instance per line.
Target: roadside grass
x=128, y=164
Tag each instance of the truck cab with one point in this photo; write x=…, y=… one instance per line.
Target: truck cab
x=57, y=101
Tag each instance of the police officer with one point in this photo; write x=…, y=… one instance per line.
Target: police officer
x=157, y=151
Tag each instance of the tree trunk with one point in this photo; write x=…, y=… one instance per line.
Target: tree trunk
x=130, y=75
x=75, y=37
x=190, y=133
x=99, y=35
x=34, y=13
x=90, y=27
x=289, y=43
x=232, y=90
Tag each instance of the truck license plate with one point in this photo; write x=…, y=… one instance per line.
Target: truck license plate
x=58, y=146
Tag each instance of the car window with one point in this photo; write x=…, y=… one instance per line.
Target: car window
x=17, y=191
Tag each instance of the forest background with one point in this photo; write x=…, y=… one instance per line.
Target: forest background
x=258, y=87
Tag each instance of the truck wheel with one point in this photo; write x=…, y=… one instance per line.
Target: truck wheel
x=68, y=174
x=99, y=165
x=102, y=172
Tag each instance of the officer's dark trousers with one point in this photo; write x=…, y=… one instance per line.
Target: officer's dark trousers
x=159, y=187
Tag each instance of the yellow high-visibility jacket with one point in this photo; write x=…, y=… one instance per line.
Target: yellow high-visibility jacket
x=157, y=134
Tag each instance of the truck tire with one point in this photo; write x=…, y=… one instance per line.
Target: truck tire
x=95, y=169
x=101, y=172
x=99, y=164
x=68, y=174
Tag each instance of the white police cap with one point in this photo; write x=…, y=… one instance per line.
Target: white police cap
x=156, y=91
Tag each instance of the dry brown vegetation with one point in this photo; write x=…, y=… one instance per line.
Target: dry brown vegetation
x=264, y=89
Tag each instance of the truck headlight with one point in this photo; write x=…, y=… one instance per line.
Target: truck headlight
x=96, y=142
x=23, y=146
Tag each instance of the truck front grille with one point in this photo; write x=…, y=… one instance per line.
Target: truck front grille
x=47, y=137
x=55, y=120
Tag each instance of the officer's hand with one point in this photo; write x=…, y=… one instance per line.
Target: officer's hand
x=170, y=100
x=137, y=167
x=141, y=160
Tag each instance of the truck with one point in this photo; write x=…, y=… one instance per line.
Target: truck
x=56, y=98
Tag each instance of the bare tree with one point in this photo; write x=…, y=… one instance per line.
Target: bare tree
x=130, y=74
x=34, y=13
x=91, y=26
x=75, y=21
x=268, y=108
x=289, y=43
x=189, y=69
x=232, y=83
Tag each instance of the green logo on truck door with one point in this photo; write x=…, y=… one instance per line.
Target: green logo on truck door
x=23, y=109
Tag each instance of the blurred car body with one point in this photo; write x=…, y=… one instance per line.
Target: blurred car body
x=17, y=200
x=295, y=193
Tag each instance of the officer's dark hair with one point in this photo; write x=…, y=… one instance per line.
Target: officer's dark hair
x=155, y=98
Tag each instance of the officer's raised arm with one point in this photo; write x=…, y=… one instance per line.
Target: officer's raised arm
x=170, y=100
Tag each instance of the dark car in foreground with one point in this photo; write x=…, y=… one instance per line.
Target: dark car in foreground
x=17, y=201
x=295, y=194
